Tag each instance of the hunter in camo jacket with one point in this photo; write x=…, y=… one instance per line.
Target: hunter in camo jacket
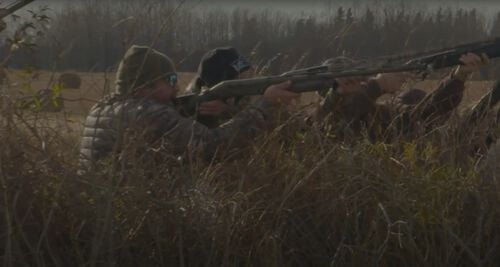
x=146, y=85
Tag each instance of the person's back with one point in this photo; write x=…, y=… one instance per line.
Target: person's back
x=105, y=125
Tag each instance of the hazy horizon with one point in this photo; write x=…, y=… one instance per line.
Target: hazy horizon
x=489, y=8
x=297, y=6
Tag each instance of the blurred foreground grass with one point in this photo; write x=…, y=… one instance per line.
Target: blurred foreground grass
x=295, y=197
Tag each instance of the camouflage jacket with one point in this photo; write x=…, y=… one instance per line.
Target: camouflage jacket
x=109, y=120
x=360, y=109
x=234, y=106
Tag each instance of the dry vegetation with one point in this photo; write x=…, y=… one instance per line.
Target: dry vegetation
x=294, y=197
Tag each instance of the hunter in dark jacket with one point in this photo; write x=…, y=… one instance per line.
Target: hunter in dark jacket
x=352, y=106
x=141, y=107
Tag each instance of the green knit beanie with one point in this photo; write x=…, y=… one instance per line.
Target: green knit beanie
x=141, y=66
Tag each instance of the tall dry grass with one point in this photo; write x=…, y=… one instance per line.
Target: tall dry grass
x=296, y=196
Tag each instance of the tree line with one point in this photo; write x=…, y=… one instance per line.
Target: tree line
x=94, y=36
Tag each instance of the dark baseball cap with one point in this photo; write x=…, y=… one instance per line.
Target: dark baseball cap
x=217, y=65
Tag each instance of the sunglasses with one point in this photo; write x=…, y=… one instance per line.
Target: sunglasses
x=171, y=79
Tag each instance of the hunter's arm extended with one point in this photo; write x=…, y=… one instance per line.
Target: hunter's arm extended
x=442, y=101
x=184, y=132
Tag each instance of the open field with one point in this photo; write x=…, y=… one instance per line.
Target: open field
x=96, y=85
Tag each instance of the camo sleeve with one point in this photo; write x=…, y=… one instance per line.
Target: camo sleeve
x=328, y=104
x=333, y=102
x=186, y=134
x=441, y=101
x=372, y=89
